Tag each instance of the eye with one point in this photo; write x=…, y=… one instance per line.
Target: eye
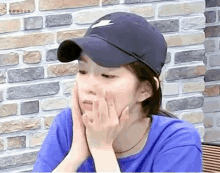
x=106, y=76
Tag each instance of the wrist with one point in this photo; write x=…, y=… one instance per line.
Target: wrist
x=77, y=151
x=102, y=149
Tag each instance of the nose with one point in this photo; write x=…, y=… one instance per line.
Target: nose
x=92, y=85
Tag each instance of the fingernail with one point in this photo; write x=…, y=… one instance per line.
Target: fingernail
x=109, y=93
x=127, y=109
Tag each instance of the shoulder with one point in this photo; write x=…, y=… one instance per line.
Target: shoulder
x=174, y=131
x=172, y=124
x=175, y=123
x=64, y=116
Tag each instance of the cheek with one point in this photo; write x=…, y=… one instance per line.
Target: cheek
x=121, y=102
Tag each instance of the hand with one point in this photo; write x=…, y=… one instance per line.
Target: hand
x=79, y=136
x=106, y=125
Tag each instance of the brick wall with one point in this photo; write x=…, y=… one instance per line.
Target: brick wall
x=35, y=86
x=211, y=94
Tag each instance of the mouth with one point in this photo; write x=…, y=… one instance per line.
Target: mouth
x=88, y=101
x=87, y=106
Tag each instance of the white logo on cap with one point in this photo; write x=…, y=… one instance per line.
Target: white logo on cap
x=102, y=23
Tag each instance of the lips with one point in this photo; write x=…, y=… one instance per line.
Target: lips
x=87, y=106
x=87, y=101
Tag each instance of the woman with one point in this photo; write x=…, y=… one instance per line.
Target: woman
x=121, y=52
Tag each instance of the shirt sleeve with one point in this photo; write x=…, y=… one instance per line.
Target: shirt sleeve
x=179, y=159
x=54, y=148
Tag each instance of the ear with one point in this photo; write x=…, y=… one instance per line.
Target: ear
x=157, y=82
x=144, y=91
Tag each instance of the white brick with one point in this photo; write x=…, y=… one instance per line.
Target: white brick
x=88, y=17
x=193, y=87
x=188, y=23
x=54, y=103
x=170, y=88
x=143, y=10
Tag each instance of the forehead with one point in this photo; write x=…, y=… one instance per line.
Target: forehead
x=84, y=59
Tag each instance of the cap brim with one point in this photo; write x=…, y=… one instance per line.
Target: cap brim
x=102, y=52
x=68, y=51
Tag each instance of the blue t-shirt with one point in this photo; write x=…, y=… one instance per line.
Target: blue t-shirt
x=172, y=145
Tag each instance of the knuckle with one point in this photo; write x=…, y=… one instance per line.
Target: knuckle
x=111, y=104
x=115, y=123
x=96, y=104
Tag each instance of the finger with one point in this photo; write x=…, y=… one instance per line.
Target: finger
x=102, y=105
x=89, y=116
x=75, y=109
x=96, y=116
x=75, y=99
x=103, y=110
x=111, y=106
x=86, y=121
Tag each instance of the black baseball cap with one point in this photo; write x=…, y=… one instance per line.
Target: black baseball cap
x=117, y=39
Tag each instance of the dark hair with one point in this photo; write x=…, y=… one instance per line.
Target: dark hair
x=153, y=103
x=144, y=73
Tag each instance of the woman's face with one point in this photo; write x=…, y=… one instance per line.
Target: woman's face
x=94, y=80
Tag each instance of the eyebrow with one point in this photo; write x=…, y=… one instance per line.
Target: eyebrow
x=81, y=58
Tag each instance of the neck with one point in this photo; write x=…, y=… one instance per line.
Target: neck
x=131, y=135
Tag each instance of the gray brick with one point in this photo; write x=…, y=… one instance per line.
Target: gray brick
x=189, y=56
x=219, y=13
x=217, y=115
x=166, y=25
x=31, y=91
x=137, y=1
x=27, y=171
x=33, y=23
x=1, y=96
x=173, y=74
x=195, y=102
x=26, y=74
x=208, y=122
x=51, y=55
x=212, y=31
x=110, y=2
x=168, y=58
x=211, y=105
x=205, y=60
x=212, y=136
x=2, y=76
x=212, y=75
x=214, y=60
x=186, y=103
x=185, y=72
x=29, y=107
x=209, y=45
x=17, y=160
x=58, y=20
x=190, y=72
x=211, y=3
x=210, y=16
